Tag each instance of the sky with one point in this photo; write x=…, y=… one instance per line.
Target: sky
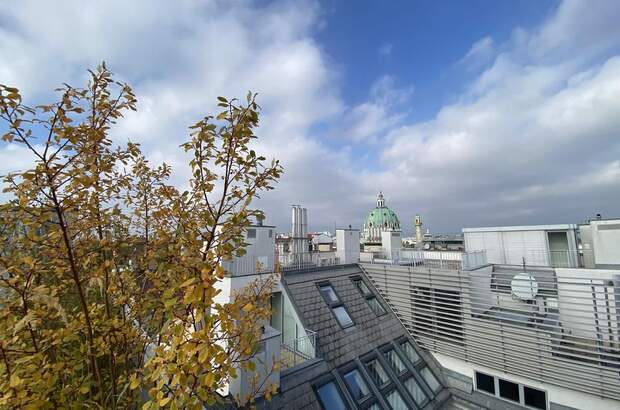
x=477, y=113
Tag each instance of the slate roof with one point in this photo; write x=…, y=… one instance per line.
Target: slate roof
x=337, y=347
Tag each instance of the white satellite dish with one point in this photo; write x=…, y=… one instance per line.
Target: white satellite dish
x=524, y=286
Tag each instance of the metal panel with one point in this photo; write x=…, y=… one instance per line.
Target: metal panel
x=567, y=336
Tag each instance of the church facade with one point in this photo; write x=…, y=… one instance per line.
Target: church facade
x=380, y=219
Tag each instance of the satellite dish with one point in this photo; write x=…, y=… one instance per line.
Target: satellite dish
x=427, y=246
x=524, y=286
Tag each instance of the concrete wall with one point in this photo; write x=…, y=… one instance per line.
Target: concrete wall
x=510, y=245
x=606, y=242
x=348, y=245
x=555, y=394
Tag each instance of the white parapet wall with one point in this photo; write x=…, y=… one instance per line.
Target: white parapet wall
x=348, y=245
x=556, y=394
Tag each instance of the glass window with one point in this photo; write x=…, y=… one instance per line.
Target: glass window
x=342, y=317
x=270, y=233
x=430, y=379
x=330, y=397
x=508, y=390
x=328, y=293
x=377, y=372
x=535, y=398
x=357, y=386
x=396, y=401
x=376, y=306
x=395, y=361
x=485, y=382
x=362, y=286
x=410, y=352
x=374, y=407
x=415, y=390
x=251, y=233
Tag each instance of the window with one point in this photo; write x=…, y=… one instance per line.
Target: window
x=415, y=390
x=396, y=401
x=376, y=306
x=329, y=294
x=534, y=398
x=430, y=379
x=395, y=361
x=361, y=286
x=343, y=318
x=333, y=301
x=251, y=233
x=485, y=383
x=410, y=352
x=356, y=385
x=271, y=233
x=330, y=397
x=376, y=371
x=508, y=390
x=372, y=301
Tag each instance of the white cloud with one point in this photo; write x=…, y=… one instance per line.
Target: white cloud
x=479, y=54
x=533, y=138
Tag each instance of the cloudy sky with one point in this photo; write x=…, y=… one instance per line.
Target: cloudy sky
x=469, y=113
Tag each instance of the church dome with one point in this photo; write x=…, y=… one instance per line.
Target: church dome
x=378, y=220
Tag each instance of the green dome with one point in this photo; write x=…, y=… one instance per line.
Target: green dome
x=378, y=220
x=382, y=218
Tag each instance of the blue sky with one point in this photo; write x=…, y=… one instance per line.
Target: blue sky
x=470, y=113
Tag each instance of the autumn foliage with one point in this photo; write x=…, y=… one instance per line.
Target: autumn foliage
x=107, y=270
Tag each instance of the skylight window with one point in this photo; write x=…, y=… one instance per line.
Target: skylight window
x=396, y=401
x=329, y=294
x=395, y=361
x=376, y=371
x=330, y=397
x=356, y=385
x=342, y=317
x=333, y=301
x=372, y=301
x=410, y=352
x=415, y=390
x=430, y=379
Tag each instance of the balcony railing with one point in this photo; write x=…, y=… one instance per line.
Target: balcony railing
x=249, y=265
x=572, y=258
x=306, y=260
x=298, y=350
x=451, y=260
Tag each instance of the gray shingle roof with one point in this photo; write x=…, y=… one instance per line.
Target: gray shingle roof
x=336, y=346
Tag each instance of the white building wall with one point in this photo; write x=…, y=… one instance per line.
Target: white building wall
x=511, y=244
x=606, y=242
x=348, y=245
x=566, y=397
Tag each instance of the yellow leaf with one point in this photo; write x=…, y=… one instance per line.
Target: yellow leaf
x=84, y=389
x=165, y=401
x=134, y=382
x=15, y=380
x=210, y=379
x=248, y=308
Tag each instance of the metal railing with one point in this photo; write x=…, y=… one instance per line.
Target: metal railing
x=306, y=260
x=249, y=265
x=298, y=350
x=572, y=258
x=567, y=333
x=454, y=260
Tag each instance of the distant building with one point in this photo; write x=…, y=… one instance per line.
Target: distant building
x=379, y=220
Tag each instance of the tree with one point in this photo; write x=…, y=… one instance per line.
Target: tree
x=107, y=277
